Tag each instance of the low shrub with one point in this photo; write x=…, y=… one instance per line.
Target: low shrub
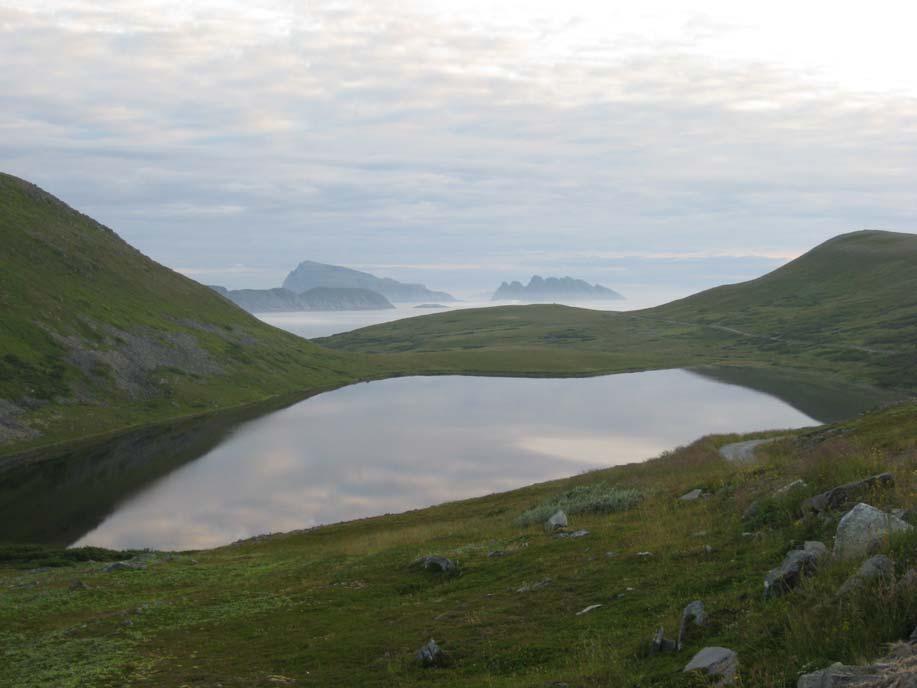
x=597, y=498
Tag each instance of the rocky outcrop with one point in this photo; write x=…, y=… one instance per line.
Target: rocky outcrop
x=316, y=299
x=310, y=274
x=863, y=528
x=554, y=289
x=844, y=495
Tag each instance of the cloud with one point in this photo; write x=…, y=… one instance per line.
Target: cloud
x=371, y=133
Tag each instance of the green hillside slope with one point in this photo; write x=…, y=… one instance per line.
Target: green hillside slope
x=95, y=336
x=846, y=308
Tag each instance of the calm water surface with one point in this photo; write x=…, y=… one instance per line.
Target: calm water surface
x=410, y=442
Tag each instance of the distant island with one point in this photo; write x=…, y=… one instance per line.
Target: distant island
x=554, y=289
x=310, y=274
x=430, y=305
x=315, y=299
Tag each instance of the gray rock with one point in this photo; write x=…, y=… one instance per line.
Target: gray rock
x=693, y=495
x=718, y=663
x=744, y=452
x=123, y=566
x=77, y=584
x=435, y=563
x=557, y=522
x=496, y=554
x=662, y=644
x=693, y=612
x=837, y=676
x=873, y=568
x=862, y=528
x=574, y=534
x=842, y=495
x=430, y=654
x=795, y=566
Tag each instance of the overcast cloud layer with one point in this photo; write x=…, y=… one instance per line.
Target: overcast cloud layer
x=460, y=145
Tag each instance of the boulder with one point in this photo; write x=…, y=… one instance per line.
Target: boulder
x=694, y=611
x=795, y=566
x=862, y=528
x=557, y=522
x=874, y=568
x=430, y=654
x=435, y=563
x=717, y=663
x=842, y=495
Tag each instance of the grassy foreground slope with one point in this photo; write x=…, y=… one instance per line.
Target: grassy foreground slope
x=341, y=606
x=96, y=336
x=847, y=307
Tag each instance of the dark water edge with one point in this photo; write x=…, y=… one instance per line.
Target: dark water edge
x=57, y=496
x=827, y=399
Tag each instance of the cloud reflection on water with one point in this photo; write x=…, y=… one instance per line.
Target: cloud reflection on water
x=410, y=442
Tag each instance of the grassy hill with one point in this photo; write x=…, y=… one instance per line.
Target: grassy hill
x=96, y=336
x=846, y=308
x=341, y=606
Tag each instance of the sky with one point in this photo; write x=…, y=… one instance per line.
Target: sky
x=659, y=144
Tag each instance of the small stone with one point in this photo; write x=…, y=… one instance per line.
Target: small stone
x=693, y=495
x=644, y=554
x=496, y=554
x=718, y=663
x=77, y=584
x=430, y=654
x=789, y=487
x=558, y=521
x=574, y=534
x=588, y=609
x=540, y=585
x=611, y=555
x=435, y=563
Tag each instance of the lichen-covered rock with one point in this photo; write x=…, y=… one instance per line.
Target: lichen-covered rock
x=862, y=528
x=717, y=663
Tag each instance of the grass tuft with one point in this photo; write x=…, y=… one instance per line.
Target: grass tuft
x=584, y=499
